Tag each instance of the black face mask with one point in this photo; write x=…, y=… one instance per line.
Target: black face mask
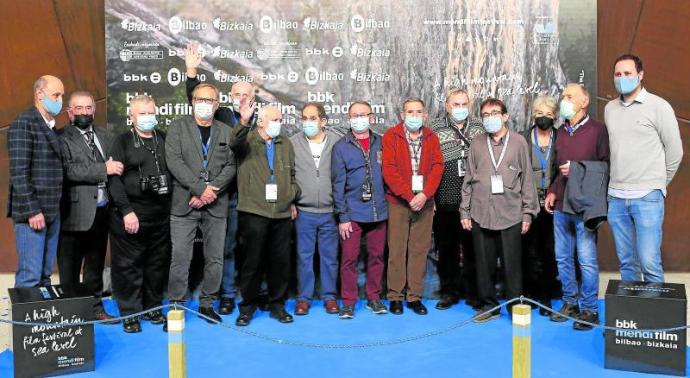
x=83, y=121
x=544, y=123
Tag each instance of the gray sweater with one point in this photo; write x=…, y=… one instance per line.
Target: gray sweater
x=645, y=143
x=317, y=190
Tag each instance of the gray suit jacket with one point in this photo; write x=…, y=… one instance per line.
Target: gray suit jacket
x=82, y=175
x=184, y=158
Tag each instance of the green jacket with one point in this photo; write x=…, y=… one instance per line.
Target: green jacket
x=253, y=174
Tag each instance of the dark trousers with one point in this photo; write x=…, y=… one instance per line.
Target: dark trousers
x=140, y=264
x=266, y=246
x=85, y=248
x=488, y=246
x=539, y=259
x=451, y=240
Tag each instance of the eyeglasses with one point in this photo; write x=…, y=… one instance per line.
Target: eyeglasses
x=360, y=115
x=205, y=100
x=492, y=114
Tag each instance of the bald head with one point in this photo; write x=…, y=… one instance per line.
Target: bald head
x=269, y=113
x=48, y=87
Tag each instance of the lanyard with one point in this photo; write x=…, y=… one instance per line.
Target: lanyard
x=571, y=129
x=503, y=151
x=205, y=147
x=543, y=160
x=416, y=147
x=459, y=133
x=367, y=158
x=270, y=156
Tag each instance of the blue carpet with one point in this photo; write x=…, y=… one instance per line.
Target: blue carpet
x=475, y=350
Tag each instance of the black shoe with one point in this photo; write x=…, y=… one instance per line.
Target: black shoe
x=474, y=303
x=587, y=316
x=446, y=302
x=566, y=309
x=155, y=317
x=243, y=320
x=227, y=306
x=131, y=325
x=262, y=300
x=282, y=316
x=396, y=307
x=543, y=311
x=417, y=307
x=209, y=312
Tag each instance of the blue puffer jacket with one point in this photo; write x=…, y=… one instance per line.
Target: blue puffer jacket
x=348, y=173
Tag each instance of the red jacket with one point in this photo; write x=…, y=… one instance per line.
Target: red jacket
x=397, y=168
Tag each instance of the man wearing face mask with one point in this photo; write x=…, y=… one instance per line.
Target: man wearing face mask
x=360, y=204
x=267, y=192
x=539, y=261
x=36, y=183
x=412, y=170
x=455, y=131
x=140, y=216
x=87, y=163
x=581, y=138
x=499, y=202
x=646, y=150
x=198, y=155
x=315, y=219
x=242, y=94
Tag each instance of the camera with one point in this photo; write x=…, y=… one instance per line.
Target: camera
x=157, y=184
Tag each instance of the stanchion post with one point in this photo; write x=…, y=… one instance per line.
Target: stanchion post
x=522, y=353
x=177, y=365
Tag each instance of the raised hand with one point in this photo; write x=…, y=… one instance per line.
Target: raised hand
x=192, y=59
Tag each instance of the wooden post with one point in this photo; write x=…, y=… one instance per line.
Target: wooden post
x=522, y=353
x=177, y=365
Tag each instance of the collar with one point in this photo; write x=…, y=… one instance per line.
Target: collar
x=572, y=129
x=641, y=98
x=408, y=136
x=500, y=141
x=82, y=132
x=51, y=123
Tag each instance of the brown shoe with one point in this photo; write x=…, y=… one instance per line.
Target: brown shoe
x=302, y=308
x=331, y=307
x=105, y=318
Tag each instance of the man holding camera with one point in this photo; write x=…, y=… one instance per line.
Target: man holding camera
x=140, y=216
x=198, y=154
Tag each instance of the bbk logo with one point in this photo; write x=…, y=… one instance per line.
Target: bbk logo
x=359, y=23
x=267, y=24
x=139, y=26
x=154, y=78
x=313, y=76
x=628, y=324
x=177, y=24
x=180, y=52
x=231, y=25
x=320, y=97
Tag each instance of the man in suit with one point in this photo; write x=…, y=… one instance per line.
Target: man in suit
x=197, y=151
x=87, y=165
x=36, y=183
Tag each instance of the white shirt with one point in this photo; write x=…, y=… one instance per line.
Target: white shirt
x=317, y=150
x=51, y=123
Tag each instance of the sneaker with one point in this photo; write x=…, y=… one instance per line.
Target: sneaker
x=587, y=316
x=347, y=312
x=482, y=316
x=377, y=307
x=567, y=310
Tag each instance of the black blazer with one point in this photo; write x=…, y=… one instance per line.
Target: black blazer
x=35, y=168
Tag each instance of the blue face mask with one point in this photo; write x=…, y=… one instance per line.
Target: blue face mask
x=567, y=109
x=626, y=84
x=310, y=128
x=360, y=124
x=146, y=122
x=492, y=124
x=460, y=114
x=413, y=123
x=51, y=106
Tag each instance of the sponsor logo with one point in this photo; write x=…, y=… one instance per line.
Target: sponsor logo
x=358, y=23
x=154, y=78
x=139, y=26
x=126, y=55
x=377, y=77
x=362, y=51
x=313, y=76
x=223, y=53
x=320, y=97
x=231, y=25
x=139, y=44
x=311, y=23
x=224, y=77
x=177, y=24
x=336, y=52
x=176, y=77
x=268, y=24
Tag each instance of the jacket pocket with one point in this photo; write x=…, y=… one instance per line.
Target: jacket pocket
x=511, y=180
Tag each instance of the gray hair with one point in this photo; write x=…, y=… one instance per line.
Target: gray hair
x=140, y=99
x=545, y=100
x=453, y=91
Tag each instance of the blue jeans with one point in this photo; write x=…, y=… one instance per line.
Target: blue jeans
x=637, y=231
x=571, y=236
x=227, y=289
x=311, y=227
x=36, y=251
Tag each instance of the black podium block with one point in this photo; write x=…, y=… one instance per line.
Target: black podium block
x=52, y=350
x=636, y=306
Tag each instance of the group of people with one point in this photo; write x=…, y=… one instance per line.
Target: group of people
x=482, y=191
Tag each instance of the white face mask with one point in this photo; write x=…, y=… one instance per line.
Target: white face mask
x=203, y=110
x=236, y=105
x=273, y=129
